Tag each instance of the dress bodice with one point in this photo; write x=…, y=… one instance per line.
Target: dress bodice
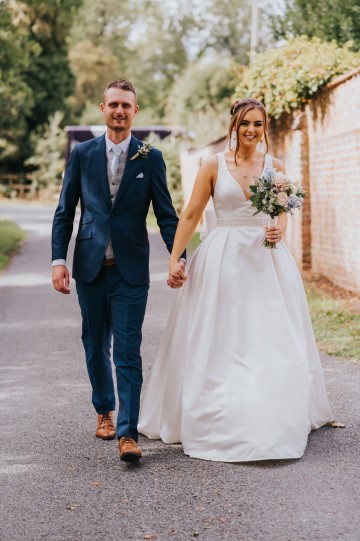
x=231, y=205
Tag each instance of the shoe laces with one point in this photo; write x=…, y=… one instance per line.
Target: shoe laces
x=105, y=417
x=128, y=439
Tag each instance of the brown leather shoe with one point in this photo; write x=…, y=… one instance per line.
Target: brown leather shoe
x=129, y=451
x=105, y=426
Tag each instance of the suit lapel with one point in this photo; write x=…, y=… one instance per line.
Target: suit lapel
x=131, y=168
x=100, y=166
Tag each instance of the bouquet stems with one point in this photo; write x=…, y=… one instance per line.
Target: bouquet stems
x=272, y=245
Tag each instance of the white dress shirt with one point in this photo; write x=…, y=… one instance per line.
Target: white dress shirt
x=110, y=155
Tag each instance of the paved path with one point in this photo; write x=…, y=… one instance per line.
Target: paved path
x=58, y=483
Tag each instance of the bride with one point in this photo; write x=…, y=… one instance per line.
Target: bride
x=238, y=375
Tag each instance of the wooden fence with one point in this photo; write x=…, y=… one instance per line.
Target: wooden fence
x=17, y=186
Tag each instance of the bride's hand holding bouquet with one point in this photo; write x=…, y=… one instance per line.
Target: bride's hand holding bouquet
x=273, y=193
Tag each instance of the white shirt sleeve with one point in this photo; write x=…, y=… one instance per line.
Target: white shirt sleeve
x=58, y=262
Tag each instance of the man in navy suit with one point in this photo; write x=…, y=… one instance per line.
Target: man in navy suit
x=115, y=177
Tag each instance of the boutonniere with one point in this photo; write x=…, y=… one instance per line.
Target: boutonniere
x=143, y=151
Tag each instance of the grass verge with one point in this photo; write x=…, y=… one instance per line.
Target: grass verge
x=11, y=237
x=335, y=321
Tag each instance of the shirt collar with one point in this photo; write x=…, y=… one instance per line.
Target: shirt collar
x=124, y=145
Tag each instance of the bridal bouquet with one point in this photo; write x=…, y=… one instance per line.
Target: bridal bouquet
x=274, y=193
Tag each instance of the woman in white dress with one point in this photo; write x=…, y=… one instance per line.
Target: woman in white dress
x=238, y=375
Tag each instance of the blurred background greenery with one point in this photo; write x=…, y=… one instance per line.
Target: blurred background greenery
x=187, y=59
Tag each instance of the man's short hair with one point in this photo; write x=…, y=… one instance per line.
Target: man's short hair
x=122, y=84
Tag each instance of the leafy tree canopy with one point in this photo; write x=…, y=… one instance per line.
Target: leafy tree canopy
x=16, y=97
x=337, y=20
x=139, y=41
x=153, y=44
x=200, y=99
x=49, y=74
x=35, y=72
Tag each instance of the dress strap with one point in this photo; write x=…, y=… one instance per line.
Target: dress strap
x=268, y=160
x=222, y=167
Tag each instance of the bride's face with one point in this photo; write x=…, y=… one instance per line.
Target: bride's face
x=251, y=129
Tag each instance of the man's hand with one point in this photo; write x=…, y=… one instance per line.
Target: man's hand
x=177, y=275
x=61, y=279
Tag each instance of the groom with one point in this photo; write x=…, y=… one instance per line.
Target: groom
x=115, y=177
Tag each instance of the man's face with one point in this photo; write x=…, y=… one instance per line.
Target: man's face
x=119, y=109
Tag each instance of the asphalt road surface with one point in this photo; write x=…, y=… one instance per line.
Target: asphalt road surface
x=59, y=483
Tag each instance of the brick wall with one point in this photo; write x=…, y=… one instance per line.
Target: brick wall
x=323, y=147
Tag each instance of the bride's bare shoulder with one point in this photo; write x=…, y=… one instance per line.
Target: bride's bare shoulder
x=209, y=164
x=278, y=164
x=210, y=161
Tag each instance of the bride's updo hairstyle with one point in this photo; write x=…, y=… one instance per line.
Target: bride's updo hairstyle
x=238, y=110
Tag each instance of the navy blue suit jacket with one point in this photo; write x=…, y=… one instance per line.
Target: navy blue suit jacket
x=86, y=180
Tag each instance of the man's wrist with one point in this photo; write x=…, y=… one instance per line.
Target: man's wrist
x=178, y=259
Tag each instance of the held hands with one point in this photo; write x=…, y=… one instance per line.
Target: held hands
x=177, y=275
x=61, y=279
x=273, y=234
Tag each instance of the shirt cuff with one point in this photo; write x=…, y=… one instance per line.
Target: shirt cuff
x=58, y=262
x=182, y=259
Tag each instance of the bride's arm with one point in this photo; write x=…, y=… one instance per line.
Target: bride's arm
x=190, y=217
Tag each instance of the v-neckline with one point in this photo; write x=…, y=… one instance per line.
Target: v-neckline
x=234, y=179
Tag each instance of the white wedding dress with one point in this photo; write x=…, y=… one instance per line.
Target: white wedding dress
x=238, y=375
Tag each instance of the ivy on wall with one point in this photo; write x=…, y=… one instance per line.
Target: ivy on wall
x=286, y=78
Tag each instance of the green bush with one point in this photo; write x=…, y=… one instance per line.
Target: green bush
x=171, y=148
x=11, y=237
x=48, y=161
x=286, y=78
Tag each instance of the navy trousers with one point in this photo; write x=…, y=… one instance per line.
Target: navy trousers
x=112, y=307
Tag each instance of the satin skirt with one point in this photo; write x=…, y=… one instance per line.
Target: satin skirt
x=238, y=375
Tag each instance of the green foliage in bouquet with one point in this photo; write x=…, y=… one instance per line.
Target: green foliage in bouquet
x=286, y=78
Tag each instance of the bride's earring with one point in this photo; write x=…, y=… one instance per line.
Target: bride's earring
x=233, y=140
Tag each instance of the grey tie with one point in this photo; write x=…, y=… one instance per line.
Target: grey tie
x=116, y=160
